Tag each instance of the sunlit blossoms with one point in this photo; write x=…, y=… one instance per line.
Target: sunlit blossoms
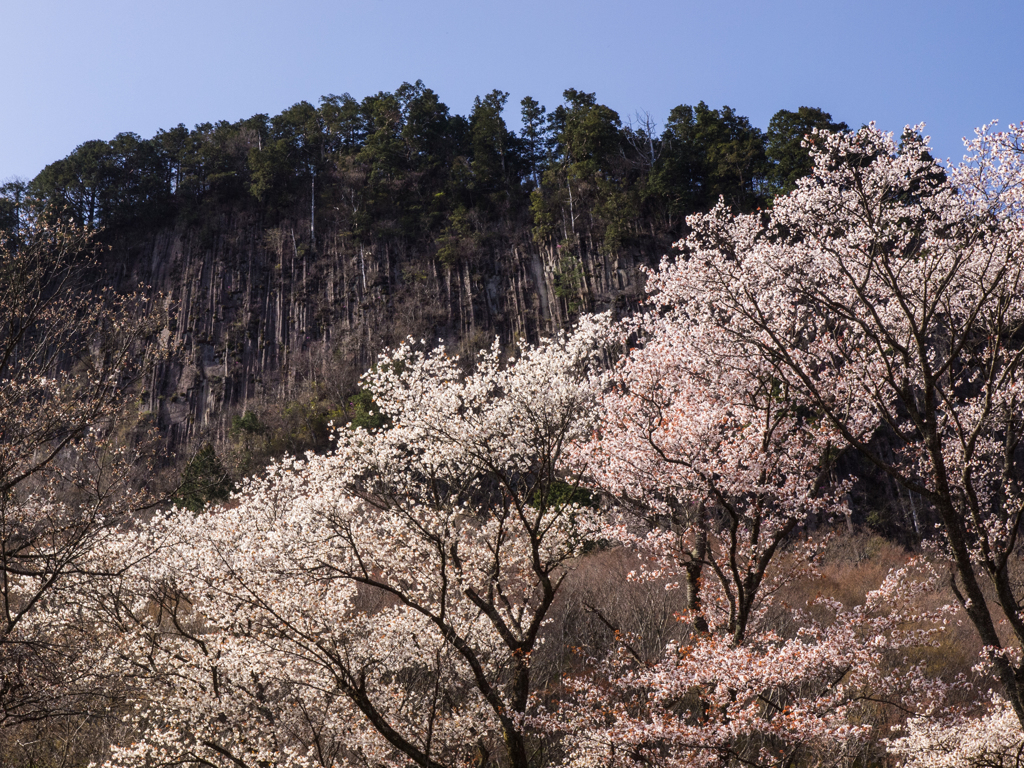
x=379, y=605
x=809, y=696
x=766, y=354
x=882, y=292
x=994, y=740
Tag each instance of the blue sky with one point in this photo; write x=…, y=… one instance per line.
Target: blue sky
x=76, y=71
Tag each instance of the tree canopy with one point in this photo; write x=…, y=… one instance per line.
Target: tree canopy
x=399, y=164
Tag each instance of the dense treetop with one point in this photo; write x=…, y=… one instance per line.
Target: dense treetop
x=402, y=165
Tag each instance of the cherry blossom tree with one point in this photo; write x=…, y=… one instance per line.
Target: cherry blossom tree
x=885, y=293
x=809, y=697
x=723, y=465
x=881, y=294
x=68, y=358
x=705, y=440
x=382, y=605
x=378, y=606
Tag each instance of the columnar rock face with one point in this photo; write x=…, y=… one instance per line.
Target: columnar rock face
x=286, y=251
x=255, y=312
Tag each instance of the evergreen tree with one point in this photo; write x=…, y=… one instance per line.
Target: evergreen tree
x=204, y=481
x=788, y=143
x=710, y=153
x=534, y=135
x=495, y=155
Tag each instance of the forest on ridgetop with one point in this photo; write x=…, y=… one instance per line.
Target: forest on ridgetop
x=400, y=165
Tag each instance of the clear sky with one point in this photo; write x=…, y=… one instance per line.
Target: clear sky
x=75, y=70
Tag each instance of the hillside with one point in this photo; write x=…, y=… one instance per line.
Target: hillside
x=288, y=251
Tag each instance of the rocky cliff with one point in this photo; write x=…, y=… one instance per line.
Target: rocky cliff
x=258, y=313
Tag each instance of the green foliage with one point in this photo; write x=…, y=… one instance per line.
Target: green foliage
x=271, y=169
x=343, y=122
x=399, y=165
x=397, y=173
x=617, y=209
x=12, y=203
x=710, y=153
x=586, y=134
x=560, y=493
x=293, y=427
x=534, y=136
x=203, y=481
x=114, y=183
x=584, y=193
x=457, y=240
x=364, y=413
x=247, y=424
x=493, y=144
x=788, y=143
x=542, y=215
x=568, y=280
